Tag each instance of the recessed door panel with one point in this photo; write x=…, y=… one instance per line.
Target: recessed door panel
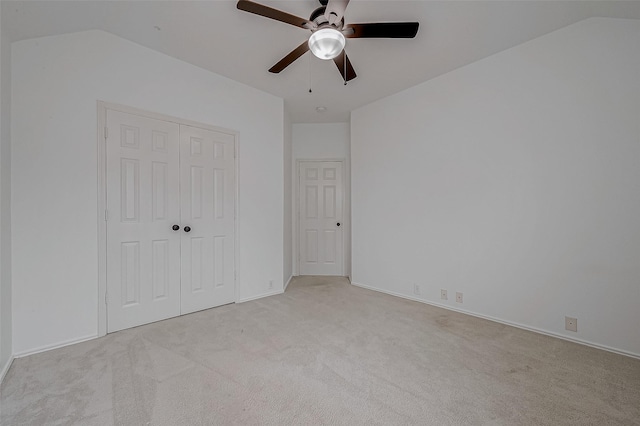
x=130, y=194
x=196, y=192
x=159, y=140
x=218, y=260
x=330, y=246
x=329, y=201
x=311, y=246
x=196, y=146
x=329, y=173
x=130, y=257
x=129, y=136
x=160, y=269
x=311, y=197
x=218, y=193
x=160, y=182
x=321, y=235
x=196, y=265
x=218, y=150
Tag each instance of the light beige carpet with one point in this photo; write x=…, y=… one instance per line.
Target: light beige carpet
x=325, y=352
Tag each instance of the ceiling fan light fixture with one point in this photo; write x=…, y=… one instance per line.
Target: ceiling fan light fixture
x=326, y=43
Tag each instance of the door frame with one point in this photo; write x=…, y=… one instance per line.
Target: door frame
x=296, y=217
x=102, y=108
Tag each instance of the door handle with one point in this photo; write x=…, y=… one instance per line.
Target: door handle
x=175, y=227
x=187, y=229
x=338, y=223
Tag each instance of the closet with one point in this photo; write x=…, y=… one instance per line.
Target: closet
x=170, y=218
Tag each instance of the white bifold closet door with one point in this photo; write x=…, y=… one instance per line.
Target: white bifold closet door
x=162, y=176
x=208, y=202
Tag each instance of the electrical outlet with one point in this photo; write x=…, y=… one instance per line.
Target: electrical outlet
x=271, y=285
x=571, y=324
x=443, y=294
x=458, y=297
x=416, y=289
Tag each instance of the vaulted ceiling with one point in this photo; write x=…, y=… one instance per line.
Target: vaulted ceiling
x=218, y=37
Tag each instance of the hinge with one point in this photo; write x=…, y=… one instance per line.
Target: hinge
x=106, y=132
x=106, y=215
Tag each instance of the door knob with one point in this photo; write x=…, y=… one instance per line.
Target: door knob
x=175, y=227
x=187, y=229
x=338, y=223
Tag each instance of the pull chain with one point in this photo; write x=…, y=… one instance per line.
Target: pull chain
x=309, y=62
x=344, y=55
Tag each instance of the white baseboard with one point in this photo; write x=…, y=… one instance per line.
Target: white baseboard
x=5, y=368
x=45, y=348
x=260, y=296
x=54, y=346
x=288, y=282
x=501, y=321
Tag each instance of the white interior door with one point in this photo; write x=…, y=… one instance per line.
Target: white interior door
x=320, y=216
x=143, y=252
x=207, y=168
x=170, y=196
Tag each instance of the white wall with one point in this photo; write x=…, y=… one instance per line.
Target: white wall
x=321, y=140
x=288, y=200
x=324, y=141
x=5, y=204
x=515, y=180
x=56, y=83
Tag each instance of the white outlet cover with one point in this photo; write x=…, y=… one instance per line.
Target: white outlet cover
x=416, y=289
x=571, y=324
x=443, y=294
x=458, y=297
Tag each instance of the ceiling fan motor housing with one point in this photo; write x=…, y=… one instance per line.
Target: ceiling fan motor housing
x=320, y=20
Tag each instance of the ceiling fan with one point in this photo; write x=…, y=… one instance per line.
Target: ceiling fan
x=328, y=32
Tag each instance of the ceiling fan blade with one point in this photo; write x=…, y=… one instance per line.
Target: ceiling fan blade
x=382, y=30
x=350, y=72
x=335, y=10
x=278, y=15
x=288, y=60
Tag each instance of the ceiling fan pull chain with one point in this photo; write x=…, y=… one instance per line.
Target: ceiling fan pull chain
x=309, y=62
x=344, y=62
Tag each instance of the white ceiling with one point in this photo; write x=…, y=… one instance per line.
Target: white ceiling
x=216, y=36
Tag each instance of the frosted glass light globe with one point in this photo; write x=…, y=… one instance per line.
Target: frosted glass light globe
x=326, y=43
